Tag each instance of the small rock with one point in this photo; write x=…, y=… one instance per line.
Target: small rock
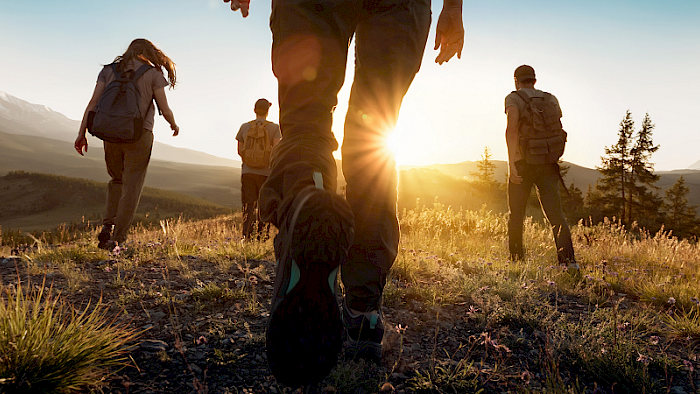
x=10, y=261
x=678, y=390
x=153, y=345
x=199, y=354
x=157, y=315
x=195, y=368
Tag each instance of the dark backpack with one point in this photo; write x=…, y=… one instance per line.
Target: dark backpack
x=541, y=136
x=117, y=117
x=257, y=145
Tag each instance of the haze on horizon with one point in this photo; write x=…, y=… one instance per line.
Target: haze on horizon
x=600, y=58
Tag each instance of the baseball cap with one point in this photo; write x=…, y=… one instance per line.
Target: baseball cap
x=524, y=72
x=263, y=104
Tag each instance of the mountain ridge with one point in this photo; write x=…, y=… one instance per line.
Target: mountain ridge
x=21, y=117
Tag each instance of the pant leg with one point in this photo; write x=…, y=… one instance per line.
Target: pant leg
x=250, y=192
x=518, y=194
x=136, y=158
x=547, y=182
x=114, y=158
x=249, y=201
x=309, y=53
x=389, y=44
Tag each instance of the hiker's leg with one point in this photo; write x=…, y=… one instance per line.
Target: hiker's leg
x=518, y=195
x=136, y=158
x=114, y=158
x=389, y=44
x=249, y=199
x=548, y=190
x=261, y=228
x=309, y=53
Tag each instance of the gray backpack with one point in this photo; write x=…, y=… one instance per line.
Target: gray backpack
x=117, y=117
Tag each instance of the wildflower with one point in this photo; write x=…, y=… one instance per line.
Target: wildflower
x=551, y=283
x=525, y=376
x=654, y=340
x=623, y=326
x=472, y=309
x=401, y=329
x=159, y=294
x=671, y=300
x=603, y=351
x=644, y=359
x=253, y=280
x=108, y=269
x=689, y=365
x=695, y=301
x=201, y=340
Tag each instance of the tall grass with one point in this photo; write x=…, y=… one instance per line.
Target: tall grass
x=47, y=345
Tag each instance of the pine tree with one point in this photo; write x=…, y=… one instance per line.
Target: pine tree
x=486, y=168
x=627, y=188
x=681, y=217
x=644, y=201
x=614, y=187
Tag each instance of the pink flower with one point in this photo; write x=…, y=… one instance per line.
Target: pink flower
x=644, y=359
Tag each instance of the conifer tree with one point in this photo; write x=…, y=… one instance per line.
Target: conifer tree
x=614, y=186
x=627, y=188
x=644, y=201
x=681, y=217
x=486, y=168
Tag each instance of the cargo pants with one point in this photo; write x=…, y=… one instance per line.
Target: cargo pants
x=309, y=55
x=546, y=178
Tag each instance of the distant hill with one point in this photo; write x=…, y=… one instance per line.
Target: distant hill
x=33, y=201
x=220, y=185
x=580, y=176
x=23, y=118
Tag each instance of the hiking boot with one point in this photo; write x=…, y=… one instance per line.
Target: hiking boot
x=305, y=331
x=365, y=333
x=574, y=270
x=104, y=236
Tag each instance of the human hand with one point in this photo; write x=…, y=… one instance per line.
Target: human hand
x=449, y=35
x=175, y=129
x=81, y=144
x=243, y=5
x=513, y=176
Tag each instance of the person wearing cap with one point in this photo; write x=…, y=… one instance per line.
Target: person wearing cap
x=522, y=176
x=253, y=178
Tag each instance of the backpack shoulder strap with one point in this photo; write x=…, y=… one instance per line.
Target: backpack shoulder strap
x=522, y=95
x=116, y=72
x=141, y=70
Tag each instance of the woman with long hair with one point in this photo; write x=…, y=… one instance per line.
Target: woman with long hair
x=127, y=162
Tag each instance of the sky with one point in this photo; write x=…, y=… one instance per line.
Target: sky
x=599, y=57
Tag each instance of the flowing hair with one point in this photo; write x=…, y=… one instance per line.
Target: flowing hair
x=143, y=50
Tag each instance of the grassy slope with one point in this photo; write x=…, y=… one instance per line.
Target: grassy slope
x=40, y=201
x=460, y=316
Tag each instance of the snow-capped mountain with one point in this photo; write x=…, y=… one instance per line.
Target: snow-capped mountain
x=21, y=117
